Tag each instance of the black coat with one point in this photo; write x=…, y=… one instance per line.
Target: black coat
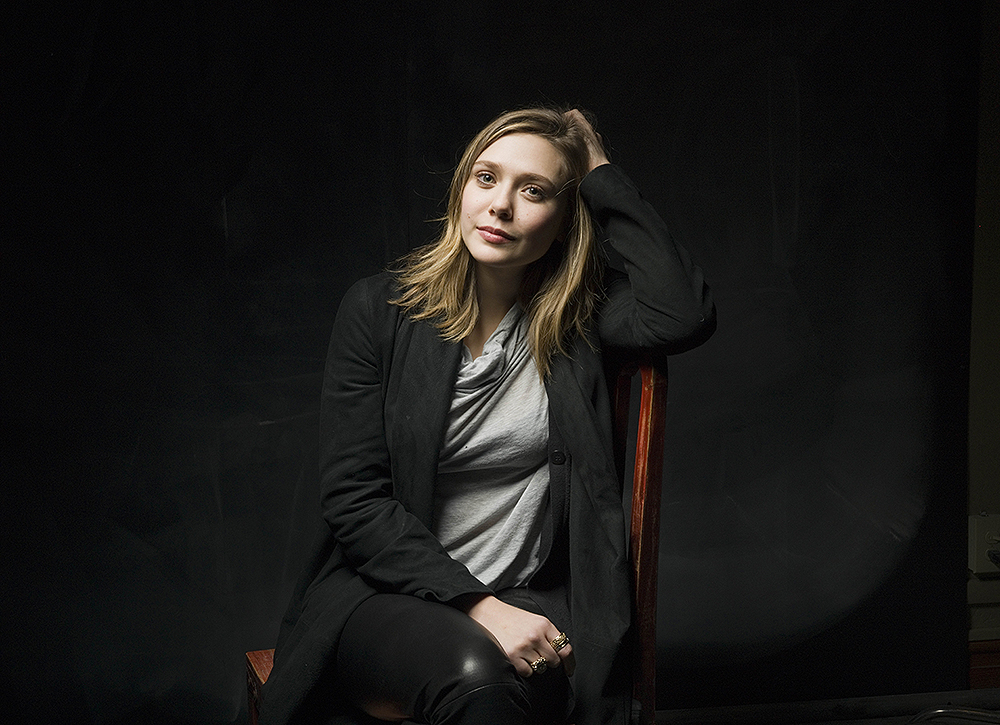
x=386, y=394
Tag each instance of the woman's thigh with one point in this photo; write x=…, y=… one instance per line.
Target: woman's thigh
x=401, y=657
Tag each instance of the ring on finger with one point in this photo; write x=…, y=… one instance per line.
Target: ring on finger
x=560, y=641
x=539, y=665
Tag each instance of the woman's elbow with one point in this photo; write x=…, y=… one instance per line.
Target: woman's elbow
x=685, y=330
x=700, y=328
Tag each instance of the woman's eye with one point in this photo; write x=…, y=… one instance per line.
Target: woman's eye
x=484, y=177
x=535, y=192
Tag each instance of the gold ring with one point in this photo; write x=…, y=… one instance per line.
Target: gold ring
x=559, y=642
x=539, y=665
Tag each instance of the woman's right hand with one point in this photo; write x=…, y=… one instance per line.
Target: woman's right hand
x=523, y=636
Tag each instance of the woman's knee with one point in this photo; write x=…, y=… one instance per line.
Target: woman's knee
x=471, y=660
x=416, y=656
x=470, y=680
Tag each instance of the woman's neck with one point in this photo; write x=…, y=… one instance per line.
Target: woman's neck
x=496, y=291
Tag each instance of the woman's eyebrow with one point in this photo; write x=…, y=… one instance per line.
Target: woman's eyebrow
x=526, y=176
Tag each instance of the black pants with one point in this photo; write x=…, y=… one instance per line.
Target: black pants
x=403, y=658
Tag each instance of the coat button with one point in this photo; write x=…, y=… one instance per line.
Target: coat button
x=558, y=458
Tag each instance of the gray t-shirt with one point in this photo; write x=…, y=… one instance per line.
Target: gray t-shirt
x=491, y=498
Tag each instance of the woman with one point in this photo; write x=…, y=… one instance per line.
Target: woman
x=473, y=566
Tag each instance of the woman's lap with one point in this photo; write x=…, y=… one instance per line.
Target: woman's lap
x=401, y=657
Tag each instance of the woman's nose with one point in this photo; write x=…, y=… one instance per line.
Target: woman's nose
x=501, y=203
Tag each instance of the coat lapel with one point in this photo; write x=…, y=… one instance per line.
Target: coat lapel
x=418, y=399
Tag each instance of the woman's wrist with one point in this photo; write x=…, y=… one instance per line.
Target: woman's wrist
x=467, y=602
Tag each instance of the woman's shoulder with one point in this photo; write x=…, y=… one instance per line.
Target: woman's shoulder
x=371, y=294
x=384, y=284
x=366, y=307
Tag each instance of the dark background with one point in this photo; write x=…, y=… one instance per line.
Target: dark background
x=196, y=184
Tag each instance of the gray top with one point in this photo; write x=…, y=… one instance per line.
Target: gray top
x=491, y=497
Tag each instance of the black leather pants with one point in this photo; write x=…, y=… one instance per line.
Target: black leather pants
x=403, y=658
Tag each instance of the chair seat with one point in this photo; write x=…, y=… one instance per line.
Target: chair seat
x=259, y=663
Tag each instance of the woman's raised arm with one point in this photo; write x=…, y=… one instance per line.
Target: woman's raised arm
x=661, y=303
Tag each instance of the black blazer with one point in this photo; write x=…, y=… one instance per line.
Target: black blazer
x=386, y=394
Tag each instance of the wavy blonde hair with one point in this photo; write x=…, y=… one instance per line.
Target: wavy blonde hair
x=558, y=293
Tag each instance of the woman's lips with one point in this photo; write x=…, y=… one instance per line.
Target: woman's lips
x=494, y=235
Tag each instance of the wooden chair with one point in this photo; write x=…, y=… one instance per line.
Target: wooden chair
x=644, y=530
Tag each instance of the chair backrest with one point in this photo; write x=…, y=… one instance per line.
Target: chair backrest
x=644, y=528
x=644, y=531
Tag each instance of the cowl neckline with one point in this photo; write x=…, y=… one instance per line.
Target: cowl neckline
x=499, y=351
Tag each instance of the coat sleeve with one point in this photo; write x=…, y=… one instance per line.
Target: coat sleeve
x=661, y=303
x=384, y=543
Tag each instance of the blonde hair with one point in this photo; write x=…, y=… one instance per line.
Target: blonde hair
x=558, y=293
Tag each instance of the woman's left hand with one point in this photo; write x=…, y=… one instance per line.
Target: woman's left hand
x=523, y=636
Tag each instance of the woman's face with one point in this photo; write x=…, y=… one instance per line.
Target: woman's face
x=511, y=208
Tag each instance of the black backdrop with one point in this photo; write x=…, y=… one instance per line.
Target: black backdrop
x=195, y=184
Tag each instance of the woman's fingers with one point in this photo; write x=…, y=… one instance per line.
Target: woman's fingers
x=595, y=144
x=564, y=651
x=546, y=650
x=553, y=652
x=569, y=661
x=535, y=648
x=525, y=638
x=522, y=666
